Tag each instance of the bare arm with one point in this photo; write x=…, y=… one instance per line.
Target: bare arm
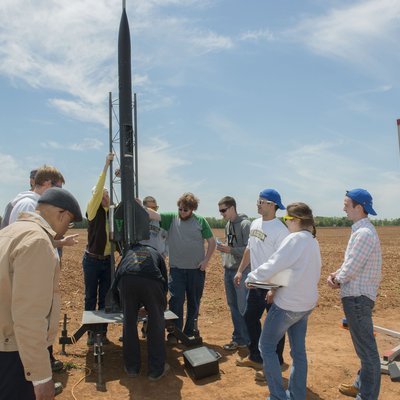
x=210, y=250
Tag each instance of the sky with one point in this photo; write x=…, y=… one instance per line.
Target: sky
x=233, y=97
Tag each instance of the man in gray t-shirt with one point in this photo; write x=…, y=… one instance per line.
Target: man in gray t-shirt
x=188, y=260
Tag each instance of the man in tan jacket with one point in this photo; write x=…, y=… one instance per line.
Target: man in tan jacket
x=29, y=295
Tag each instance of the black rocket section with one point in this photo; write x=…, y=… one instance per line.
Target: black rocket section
x=135, y=218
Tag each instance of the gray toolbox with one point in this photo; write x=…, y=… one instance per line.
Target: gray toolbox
x=201, y=362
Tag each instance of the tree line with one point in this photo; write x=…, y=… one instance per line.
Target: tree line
x=219, y=223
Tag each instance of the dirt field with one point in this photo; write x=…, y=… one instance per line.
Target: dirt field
x=331, y=355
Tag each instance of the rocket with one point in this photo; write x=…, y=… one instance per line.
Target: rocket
x=135, y=221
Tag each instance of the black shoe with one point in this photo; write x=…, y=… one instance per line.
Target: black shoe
x=56, y=365
x=104, y=339
x=132, y=373
x=58, y=388
x=157, y=377
x=171, y=339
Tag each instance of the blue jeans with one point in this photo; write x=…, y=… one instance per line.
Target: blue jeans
x=97, y=275
x=237, y=299
x=358, y=311
x=189, y=284
x=256, y=305
x=277, y=323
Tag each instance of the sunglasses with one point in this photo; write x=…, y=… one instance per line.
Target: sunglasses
x=261, y=202
x=56, y=184
x=288, y=218
x=183, y=209
x=223, y=210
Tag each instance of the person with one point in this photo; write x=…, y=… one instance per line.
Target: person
x=358, y=279
x=299, y=254
x=187, y=232
x=158, y=236
x=97, y=257
x=30, y=296
x=45, y=178
x=266, y=235
x=41, y=180
x=142, y=280
x=237, y=232
x=5, y=221
x=32, y=180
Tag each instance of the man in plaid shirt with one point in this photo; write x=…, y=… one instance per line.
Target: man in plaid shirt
x=358, y=279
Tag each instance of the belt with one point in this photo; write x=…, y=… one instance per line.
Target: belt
x=96, y=256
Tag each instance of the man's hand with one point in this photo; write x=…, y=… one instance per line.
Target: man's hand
x=109, y=158
x=69, y=240
x=269, y=298
x=237, y=278
x=44, y=391
x=223, y=248
x=331, y=281
x=203, y=265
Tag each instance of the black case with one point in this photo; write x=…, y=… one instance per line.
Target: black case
x=201, y=362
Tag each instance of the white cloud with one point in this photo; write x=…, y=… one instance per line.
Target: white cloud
x=261, y=34
x=71, y=47
x=86, y=144
x=11, y=170
x=358, y=33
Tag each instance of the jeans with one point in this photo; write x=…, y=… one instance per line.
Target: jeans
x=358, y=311
x=277, y=323
x=237, y=299
x=186, y=283
x=135, y=291
x=256, y=304
x=97, y=275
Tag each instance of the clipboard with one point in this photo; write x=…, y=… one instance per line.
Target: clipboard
x=263, y=285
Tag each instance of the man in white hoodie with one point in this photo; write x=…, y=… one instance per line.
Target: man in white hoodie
x=46, y=177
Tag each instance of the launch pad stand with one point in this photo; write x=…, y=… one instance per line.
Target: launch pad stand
x=91, y=321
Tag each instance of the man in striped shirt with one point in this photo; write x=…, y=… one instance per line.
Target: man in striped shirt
x=358, y=279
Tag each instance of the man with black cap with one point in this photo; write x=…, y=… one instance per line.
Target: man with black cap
x=266, y=235
x=29, y=296
x=358, y=279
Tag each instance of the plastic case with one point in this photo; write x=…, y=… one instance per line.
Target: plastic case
x=201, y=362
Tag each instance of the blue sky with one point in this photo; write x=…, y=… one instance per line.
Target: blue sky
x=233, y=97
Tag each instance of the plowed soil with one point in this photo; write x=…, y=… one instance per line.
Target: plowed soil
x=331, y=356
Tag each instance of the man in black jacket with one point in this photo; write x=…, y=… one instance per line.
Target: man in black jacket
x=142, y=281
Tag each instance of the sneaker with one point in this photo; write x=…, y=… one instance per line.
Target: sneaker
x=247, y=362
x=234, y=346
x=284, y=366
x=260, y=377
x=58, y=388
x=157, y=377
x=348, y=390
x=56, y=365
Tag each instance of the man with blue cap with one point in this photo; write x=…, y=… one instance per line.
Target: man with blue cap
x=266, y=235
x=358, y=279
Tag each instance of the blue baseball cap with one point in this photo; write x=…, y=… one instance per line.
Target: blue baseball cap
x=362, y=197
x=272, y=195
